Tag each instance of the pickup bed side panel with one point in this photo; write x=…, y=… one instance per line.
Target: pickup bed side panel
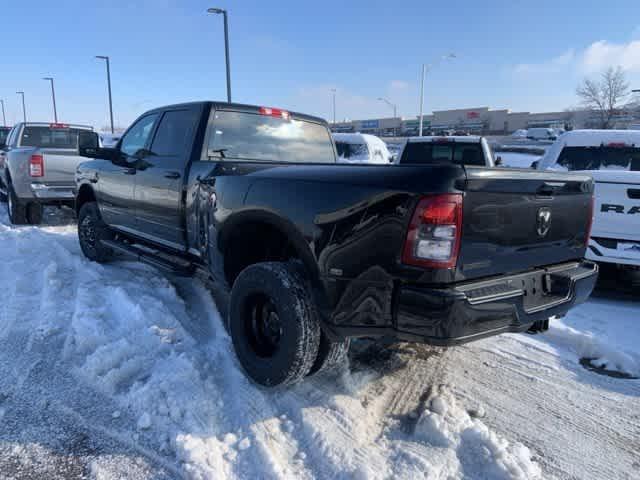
x=355, y=234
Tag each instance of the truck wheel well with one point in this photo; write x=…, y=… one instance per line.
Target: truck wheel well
x=84, y=195
x=255, y=242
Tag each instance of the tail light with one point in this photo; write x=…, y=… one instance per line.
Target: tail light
x=433, y=238
x=36, y=166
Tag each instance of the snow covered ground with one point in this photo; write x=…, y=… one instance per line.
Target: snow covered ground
x=117, y=371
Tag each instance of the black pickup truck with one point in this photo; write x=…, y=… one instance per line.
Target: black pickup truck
x=313, y=253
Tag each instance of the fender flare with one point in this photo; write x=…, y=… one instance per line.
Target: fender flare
x=293, y=234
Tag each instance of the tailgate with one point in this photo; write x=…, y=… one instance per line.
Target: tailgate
x=617, y=205
x=516, y=220
x=60, y=165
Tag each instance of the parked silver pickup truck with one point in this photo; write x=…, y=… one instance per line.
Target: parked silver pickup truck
x=37, y=167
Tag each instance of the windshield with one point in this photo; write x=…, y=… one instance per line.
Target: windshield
x=600, y=158
x=448, y=152
x=248, y=136
x=42, y=136
x=352, y=151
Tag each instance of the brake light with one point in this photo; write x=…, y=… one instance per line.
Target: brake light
x=56, y=126
x=433, y=238
x=274, y=112
x=36, y=166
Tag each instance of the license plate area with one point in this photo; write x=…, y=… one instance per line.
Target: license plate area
x=543, y=289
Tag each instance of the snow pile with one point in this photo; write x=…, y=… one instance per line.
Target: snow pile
x=603, y=350
x=156, y=349
x=471, y=449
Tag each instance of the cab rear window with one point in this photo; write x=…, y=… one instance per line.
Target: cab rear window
x=248, y=136
x=352, y=151
x=416, y=153
x=49, y=137
x=4, y=133
x=600, y=158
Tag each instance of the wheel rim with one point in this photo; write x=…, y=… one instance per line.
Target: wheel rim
x=263, y=327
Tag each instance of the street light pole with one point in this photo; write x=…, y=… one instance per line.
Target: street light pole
x=4, y=118
x=392, y=105
x=106, y=58
x=425, y=68
x=24, y=110
x=333, y=90
x=53, y=95
x=226, y=46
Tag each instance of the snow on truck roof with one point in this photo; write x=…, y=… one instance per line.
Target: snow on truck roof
x=588, y=138
x=452, y=138
x=352, y=137
x=596, y=138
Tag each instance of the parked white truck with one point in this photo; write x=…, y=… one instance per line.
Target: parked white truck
x=38, y=165
x=612, y=158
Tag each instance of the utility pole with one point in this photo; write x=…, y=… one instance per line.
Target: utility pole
x=106, y=58
x=4, y=118
x=24, y=110
x=333, y=90
x=425, y=68
x=53, y=95
x=222, y=11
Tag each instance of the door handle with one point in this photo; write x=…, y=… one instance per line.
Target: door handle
x=173, y=175
x=129, y=171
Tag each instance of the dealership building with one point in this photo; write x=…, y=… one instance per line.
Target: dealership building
x=481, y=120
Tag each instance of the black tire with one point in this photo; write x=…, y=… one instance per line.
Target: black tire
x=16, y=209
x=34, y=213
x=91, y=230
x=273, y=324
x=331, y=355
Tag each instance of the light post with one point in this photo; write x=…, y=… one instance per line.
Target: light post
x=53, y=95
x=333, y=91
x=106, y=59
x=392, y=105
x=426, y=67
x=219, y=11
x=395, y=109
x=24, y=110
x=4, y=118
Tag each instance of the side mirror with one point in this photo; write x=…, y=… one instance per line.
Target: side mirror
x=88, y=139
x=535, y=164
x=498, y=161
x=110, y=154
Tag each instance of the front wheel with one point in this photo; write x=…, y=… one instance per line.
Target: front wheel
x=273, y=324
x=91, y=231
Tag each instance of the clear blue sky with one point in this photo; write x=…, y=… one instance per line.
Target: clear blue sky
x=517, y=55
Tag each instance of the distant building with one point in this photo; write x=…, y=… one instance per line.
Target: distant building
x=481, y=120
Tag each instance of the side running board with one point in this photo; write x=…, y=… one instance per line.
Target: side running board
x=162, y=260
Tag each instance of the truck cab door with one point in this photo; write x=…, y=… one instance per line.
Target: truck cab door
x=160, y=184
x=117, y=179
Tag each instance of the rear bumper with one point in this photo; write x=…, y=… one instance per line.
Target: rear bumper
x=608, y=250
x=45, y=192
x=478, y=309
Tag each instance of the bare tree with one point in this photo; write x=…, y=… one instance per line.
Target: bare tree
x=604, y=95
